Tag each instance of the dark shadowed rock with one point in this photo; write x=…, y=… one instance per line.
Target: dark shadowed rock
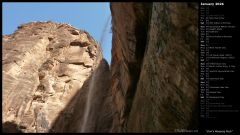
x=154, y=66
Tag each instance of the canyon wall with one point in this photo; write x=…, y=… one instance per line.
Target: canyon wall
x=154, y=66
x=56, y=80
x=47, y=70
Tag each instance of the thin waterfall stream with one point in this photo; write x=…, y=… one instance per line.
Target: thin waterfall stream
x=88, y=121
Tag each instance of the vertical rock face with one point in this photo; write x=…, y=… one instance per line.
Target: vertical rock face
x=154, y=68
x=55, y=79
x=47, y=68
x=130, y=25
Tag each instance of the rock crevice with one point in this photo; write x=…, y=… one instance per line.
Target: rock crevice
x=56, y=80
x=154, y=66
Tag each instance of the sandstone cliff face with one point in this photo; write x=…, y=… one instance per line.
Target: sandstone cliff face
x=47, y=70
x=154, y=66
x=129, y=26
x=55, y=79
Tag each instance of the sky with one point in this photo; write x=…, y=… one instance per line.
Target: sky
x=95, y=18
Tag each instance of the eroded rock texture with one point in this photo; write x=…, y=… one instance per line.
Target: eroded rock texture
x=47, y=69
x=154, y=66
x=129, y=26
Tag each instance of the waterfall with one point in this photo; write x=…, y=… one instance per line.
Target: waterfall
x=88, y=119
x=105, y=29
x=88, y=103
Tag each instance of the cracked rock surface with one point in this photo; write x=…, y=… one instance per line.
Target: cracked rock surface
x=154, y=69
x=45, y=65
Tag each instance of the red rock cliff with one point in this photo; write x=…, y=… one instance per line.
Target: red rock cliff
x=55, y=79
x=154, y=66
x=47, y=70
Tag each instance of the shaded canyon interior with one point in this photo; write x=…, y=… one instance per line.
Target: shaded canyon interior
x=55, y=78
